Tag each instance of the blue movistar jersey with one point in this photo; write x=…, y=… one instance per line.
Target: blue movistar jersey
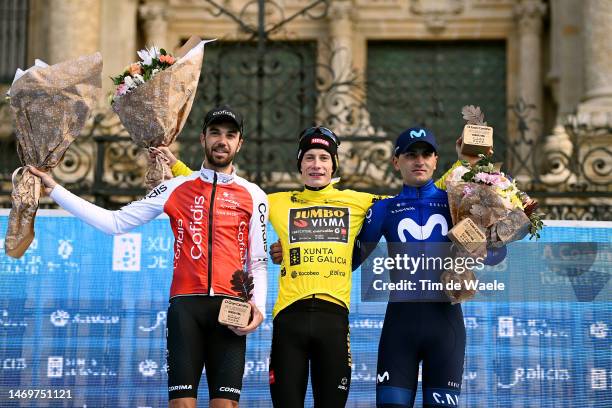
x=409, y=221
x=417, y=214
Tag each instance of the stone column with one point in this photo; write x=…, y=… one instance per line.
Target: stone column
x=74, y=28
x=567, y=82
x=528, y=15
x=336, y=103
x=597, y=58
x=593, y=123
x=343, y=107
x=154, y=17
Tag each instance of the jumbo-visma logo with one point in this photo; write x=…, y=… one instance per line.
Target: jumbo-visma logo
x=421, y=232
x=319, y=223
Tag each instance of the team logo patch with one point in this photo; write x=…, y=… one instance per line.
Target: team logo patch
x=420, y=133
x=319, y=224
x=294, y=256
x=421, y=232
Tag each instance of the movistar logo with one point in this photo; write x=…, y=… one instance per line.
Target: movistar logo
x=381, y=378
x=421, y=232
x=420, y=133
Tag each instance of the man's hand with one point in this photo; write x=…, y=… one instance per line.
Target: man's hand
x=46, y=178
x=471, y=159
x=276, y=252
x=256, y=319
x=164, y=153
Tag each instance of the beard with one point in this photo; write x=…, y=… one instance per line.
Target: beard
x=210, y=158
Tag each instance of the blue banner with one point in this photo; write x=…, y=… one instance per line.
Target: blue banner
x=83, y=314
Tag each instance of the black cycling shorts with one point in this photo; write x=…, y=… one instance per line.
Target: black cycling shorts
x=195, y=339
x=429, y=333
x=310, y=333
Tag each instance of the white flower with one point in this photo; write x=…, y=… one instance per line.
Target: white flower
x=457, y=174
x=155, y=71
x=154, y=52
x=504, y=184
x=145, y=57
x=138, y=79
x=148, y=54
x=129, y=82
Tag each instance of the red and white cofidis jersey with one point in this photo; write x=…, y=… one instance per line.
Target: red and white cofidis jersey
x=219, y=223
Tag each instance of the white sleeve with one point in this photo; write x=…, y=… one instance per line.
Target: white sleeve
x=113, y=222
x=257, y=263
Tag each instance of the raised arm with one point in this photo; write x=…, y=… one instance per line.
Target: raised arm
x=177, y=167
x=110, y=222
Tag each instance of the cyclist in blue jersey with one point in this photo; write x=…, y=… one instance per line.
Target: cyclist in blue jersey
x=430, y=332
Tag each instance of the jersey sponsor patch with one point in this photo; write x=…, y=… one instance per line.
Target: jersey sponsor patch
x=319, y=224
x=294, y=256
x=421, y=232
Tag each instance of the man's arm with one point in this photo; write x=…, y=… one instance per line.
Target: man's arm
x=258, y=249
x=441, y=182
x=257, y=259
x=111, y=222
x=180, y=169
x=370, y=233
x=177, y=167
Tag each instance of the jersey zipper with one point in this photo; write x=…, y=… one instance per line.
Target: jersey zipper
x=420, y=209
x=210, y=232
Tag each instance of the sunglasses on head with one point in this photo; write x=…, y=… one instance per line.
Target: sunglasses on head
x=320, y=130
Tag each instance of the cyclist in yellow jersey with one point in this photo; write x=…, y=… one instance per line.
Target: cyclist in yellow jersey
x=317, y=227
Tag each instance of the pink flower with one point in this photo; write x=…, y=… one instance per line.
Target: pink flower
x=486, y=178
x=121, y=90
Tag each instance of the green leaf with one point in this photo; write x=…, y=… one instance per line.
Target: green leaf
x=162, y=51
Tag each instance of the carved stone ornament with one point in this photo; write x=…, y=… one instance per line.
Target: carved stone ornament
x=437, y=12
x=529, y=15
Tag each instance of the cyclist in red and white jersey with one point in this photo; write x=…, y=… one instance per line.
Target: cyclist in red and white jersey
x=219, y=223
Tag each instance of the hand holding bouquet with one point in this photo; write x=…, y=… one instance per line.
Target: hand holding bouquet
x=487, y=208
x=154, y=97
x=492, y=201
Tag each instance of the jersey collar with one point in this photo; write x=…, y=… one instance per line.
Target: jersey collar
x=306, y=193
x=208, y=175
x=419, y=192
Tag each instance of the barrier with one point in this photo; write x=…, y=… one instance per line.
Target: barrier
x=82, y=314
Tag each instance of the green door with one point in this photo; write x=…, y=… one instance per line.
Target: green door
x=277, y=102
x=427, y=83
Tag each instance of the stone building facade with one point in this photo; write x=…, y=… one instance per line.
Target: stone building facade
x=556, y=72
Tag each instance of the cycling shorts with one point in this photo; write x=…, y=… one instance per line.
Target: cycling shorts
x=196, y=340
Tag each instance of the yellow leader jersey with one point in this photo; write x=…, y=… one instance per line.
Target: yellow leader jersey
x=317, y=230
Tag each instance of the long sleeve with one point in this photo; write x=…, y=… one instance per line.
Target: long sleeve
x=180, y=169
x=441, y=182
x=113, y=222
x=258, y=249
x=370, y=234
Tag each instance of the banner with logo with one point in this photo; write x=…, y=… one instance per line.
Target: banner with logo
x=83, y=314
